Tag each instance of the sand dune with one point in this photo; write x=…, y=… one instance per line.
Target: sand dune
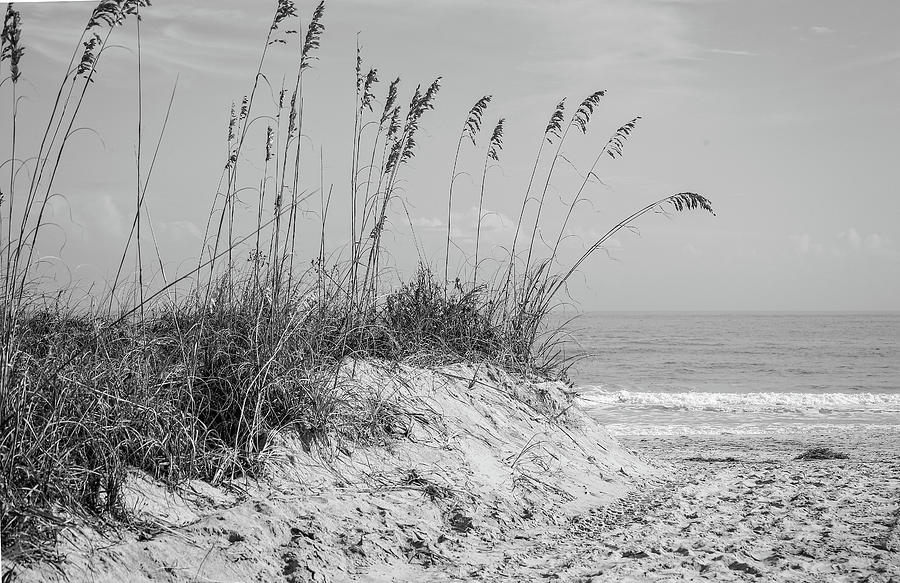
x=480, y=458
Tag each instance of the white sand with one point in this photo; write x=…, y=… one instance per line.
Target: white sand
x=763, y=517
x=501, y=479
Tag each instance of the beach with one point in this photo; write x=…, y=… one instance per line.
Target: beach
x=742, y=506
x=739, y=508
x=382, y=335
x=728, y=508
x=504, y=479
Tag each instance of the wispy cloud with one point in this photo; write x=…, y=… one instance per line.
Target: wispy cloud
x=851, y=237
x=494, y=224
x=734, y=52
x=175, y=37
x=428, y=223
x=608, y=43
x=849, y=242
x=804, y=245
x=871, y=243
x=821, y=30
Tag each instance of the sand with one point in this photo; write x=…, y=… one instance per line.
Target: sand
x=497, y=478
x=757, y=514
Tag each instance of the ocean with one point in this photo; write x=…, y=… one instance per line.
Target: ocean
x=707, y=373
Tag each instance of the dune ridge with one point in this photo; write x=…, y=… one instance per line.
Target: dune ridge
x=481, y=457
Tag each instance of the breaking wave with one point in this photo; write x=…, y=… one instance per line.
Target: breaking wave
x=762, y=402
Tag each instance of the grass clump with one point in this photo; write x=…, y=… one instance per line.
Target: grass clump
x=822, y=453
x=705, y=459
x=192, y=384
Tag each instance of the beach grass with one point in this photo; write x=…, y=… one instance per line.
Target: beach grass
x=188, y=378
x=822, y=453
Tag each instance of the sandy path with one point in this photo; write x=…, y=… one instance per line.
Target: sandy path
x=761, y=516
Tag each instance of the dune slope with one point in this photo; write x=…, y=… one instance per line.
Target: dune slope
x=479, y=461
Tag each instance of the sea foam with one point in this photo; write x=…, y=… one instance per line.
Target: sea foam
x=763, y=402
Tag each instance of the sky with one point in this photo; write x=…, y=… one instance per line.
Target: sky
x=784, y=114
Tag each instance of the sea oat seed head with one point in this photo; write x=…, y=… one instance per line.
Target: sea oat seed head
x=583, y=113
x=390, y=101
x=313, y=36
x=9, y=41
x=554, y=126
x=473, y=121
x=496, y=143
x=617, y=141
x=368, y=96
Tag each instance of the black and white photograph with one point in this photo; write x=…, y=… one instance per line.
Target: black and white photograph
x=388, y=291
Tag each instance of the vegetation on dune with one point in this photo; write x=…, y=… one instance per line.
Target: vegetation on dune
x=822, y=453
x=190, y=388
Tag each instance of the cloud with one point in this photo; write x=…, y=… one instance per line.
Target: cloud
x=606, y=44
x=851, y=238
x=846, y=243
x=804, y=245
x=734, y=52
x=108, y=218
x=875, y=242
x=181, y=231
x=177, y=36
x=821, y=30
x=871, y=243
x=690, y=249
x=428, y=223
x=464, y=225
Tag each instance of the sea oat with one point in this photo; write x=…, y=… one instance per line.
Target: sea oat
x=368, y=97
x=232, y=122
x=292, y=117
x=245, y=108
x=583, y=113
x=690, y=201
x=554, y=126
x=313, y=36
x=284, y=10
x=473, y=120
x=390, y=101
x=113, y=12
x=270, y=142
x=417, y=107
x=11, y=35
x=617, y=141
x=89, y=57
x=496, y=143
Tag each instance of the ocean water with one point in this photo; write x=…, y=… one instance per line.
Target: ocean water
x=731, y=373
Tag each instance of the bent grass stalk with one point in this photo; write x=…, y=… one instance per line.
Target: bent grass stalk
x=470, y=129
x=493, y=153
x=613, y=149
x=580, y=120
